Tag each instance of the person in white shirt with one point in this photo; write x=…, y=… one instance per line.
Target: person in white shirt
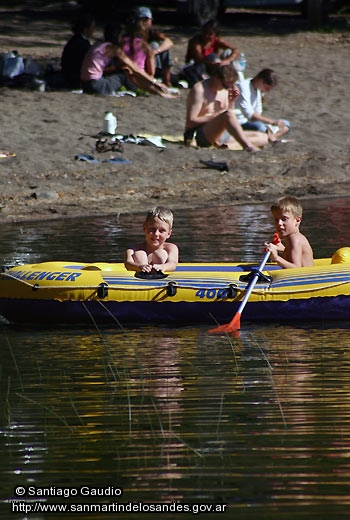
x=211, y=118
x=250, y=106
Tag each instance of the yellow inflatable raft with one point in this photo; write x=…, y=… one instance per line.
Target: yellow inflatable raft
x=72, y=292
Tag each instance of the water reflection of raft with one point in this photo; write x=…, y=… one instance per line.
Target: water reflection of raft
x=71, y=292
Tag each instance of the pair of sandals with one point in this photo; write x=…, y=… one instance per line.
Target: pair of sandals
x=103, y=145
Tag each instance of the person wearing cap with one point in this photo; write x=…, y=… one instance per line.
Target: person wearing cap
x=137, y=48
x=159, y=42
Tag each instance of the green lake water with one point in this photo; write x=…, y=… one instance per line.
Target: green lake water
x=151, y=418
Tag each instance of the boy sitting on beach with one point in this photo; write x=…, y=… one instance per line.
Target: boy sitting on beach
x=297, y=252
x=154, y=254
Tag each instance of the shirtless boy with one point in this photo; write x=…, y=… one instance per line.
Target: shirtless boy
x=297, y=252
x=211, y=114
x=154, y=253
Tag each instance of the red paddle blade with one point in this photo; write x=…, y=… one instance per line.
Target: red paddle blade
x=276, y=239
x=233, y=326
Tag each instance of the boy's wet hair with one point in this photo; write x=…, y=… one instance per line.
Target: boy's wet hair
x=164, y=214
x=290, y=204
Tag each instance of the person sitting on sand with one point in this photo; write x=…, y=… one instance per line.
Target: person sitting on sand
x=297, y=252
x=137, y=48
x=154, y=254
x=250, y=105
x=159, y=42
x=210, y=114
x=75, y=49
x=106, y=68
x=202, y=50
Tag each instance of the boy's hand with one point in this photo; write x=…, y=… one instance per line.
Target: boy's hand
x=157, y=267
x=149, y=268
x=233, y=93
x=146, y=268
x=274, y=246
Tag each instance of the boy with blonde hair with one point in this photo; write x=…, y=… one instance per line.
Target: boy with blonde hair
x=297, y=252
x=154, y=254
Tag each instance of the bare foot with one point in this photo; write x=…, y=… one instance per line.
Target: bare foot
x=169, y=95
x=277, y=136
x=162, y=90
x=271, y=135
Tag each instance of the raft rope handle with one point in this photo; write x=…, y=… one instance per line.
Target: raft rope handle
x=36, y=286
x=295, y=291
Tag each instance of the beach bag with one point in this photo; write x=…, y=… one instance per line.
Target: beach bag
x=11, y=64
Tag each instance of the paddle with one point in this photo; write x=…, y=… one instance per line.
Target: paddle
x=235, y=323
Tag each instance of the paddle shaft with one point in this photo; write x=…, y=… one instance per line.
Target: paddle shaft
x=253, y=282
x=235, y=323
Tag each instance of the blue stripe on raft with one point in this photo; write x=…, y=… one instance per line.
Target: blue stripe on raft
x=76, y=267
x=223, y=268
x=312, y=280
x=111, y=280
x=229, y=268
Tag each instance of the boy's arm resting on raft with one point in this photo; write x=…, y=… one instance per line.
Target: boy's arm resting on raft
x=129, y=261
x=169, y=265
x=172, y=261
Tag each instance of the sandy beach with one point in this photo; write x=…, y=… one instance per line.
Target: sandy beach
x=47, y=130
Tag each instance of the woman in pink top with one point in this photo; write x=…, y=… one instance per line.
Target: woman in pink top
x=106, y=68
x=137, y=48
